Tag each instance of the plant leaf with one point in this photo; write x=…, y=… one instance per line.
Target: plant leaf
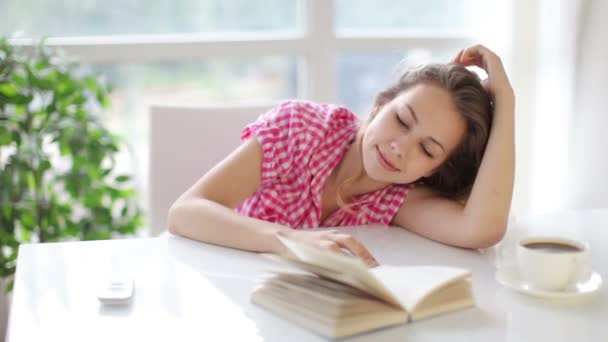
x=122, y=179
x=5, y=136
x=8, y=89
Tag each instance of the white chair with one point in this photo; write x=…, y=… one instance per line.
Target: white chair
x=185, y=142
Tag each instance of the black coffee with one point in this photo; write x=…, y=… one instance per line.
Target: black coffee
x=552, y=247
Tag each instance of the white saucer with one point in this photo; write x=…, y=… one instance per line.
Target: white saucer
x=509, y=277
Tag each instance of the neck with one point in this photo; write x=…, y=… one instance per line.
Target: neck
x=351, y=167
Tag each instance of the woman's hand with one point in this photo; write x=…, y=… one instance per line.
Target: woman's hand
x=497, y=83
x=331, y=240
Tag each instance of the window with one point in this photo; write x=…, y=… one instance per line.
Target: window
x=211, y=81
x=240, y=51
x=144, y=17
x=362, y=75
x=429, y=15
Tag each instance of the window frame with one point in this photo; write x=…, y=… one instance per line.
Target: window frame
x=316, y=47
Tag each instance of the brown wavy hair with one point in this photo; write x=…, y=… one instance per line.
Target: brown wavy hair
x=455, y=176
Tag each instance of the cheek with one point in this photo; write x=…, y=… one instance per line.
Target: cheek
x=369, y=137
x=367, y=149
x=417, y=166
x=378, y=131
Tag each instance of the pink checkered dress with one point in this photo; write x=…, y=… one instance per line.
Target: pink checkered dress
x=301, y=143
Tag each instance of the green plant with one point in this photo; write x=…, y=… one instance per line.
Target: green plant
x=57, y=160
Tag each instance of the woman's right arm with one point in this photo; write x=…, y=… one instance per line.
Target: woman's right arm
x=205, y=212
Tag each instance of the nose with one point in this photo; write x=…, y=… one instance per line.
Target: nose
x=395, y=149
x=400, y=148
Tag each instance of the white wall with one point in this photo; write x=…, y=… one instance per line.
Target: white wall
x=588, y=158
x=559, y=72
x=558, y=24
x=521, y=66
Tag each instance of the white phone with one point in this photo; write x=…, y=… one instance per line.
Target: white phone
x=116, y=291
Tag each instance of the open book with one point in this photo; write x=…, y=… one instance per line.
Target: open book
x=339, y=296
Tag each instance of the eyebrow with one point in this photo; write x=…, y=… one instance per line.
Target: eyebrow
x=416, y=121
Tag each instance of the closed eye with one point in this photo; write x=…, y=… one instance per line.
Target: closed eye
x=425, y=151
x=401, y=122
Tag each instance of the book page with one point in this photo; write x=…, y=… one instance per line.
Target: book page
x=403, y=286
x=328, y=299
x=412, y=284
x=456, y=296
x=348, y=270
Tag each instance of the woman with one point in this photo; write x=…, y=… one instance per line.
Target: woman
x=435, y=156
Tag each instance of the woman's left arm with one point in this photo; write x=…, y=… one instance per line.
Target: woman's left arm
x=481, y=221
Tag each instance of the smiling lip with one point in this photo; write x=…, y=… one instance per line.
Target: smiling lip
x=384, y=162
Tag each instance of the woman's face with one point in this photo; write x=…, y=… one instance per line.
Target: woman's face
x=412, y=135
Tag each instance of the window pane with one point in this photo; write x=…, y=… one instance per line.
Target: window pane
x=408, y=14
x=223, y=81
x=111, y=17
x=361, y=76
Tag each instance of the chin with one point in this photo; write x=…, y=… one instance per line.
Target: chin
x=381, y=176
x=372, y=170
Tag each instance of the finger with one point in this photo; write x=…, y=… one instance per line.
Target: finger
x=475, y=55
x=332, y=246
x=355, y=247
x=471, y=57
x=481, y=56
x=328, y=232
x=458, y=56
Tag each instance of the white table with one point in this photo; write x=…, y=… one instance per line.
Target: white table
x=191, y=291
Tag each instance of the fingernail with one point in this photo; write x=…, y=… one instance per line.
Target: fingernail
x=372, y=262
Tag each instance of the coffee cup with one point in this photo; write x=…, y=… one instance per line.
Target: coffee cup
x=553, y=263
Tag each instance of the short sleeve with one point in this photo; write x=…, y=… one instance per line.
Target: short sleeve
x=287, y=134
